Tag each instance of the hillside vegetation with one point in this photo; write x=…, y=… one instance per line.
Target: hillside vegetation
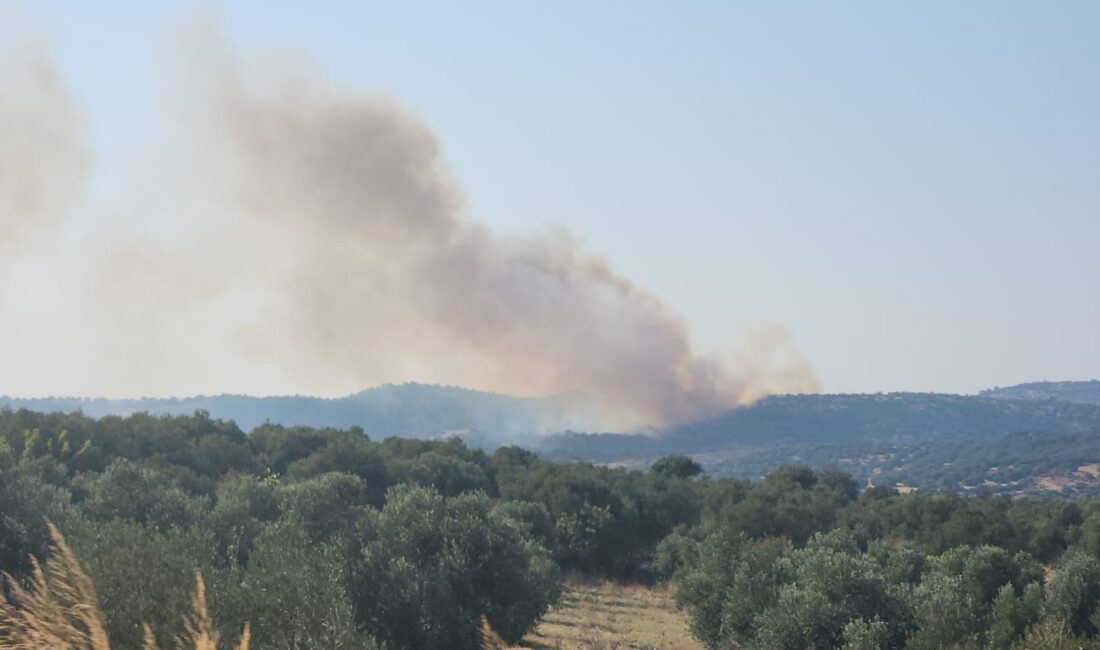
x=1080, y=392
x=409, y=409
x=984, y=444
x=326, y=538
x=913, y=440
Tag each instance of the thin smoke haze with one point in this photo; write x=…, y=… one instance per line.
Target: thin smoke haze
x=43, y=161
x=316, y=233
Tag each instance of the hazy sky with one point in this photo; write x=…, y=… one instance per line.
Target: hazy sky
x=911, y=189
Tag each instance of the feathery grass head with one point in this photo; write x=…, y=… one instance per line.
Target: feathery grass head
x=490, y=640
x=59, y=610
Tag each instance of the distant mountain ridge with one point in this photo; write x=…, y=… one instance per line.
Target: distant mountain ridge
x=1033, y=438
x=414, y=409
x=894, y=418
x=1080, y=392
x=410, y=409
x=899, y=417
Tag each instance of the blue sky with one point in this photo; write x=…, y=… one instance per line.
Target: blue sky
x=910, y=188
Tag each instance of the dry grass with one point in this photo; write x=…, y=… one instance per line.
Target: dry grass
x=611, y=616
x=198, y=629
x=60, y=611
x=490, y=640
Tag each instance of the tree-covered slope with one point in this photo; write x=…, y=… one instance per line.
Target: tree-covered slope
x=923, y=440
x=952, y=442
x=867, y=421
x=409, y=409
x=899, y=417
x=1080, y=392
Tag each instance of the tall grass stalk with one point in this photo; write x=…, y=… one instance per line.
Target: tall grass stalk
x=59, y=610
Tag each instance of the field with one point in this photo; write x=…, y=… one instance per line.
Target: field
x=608, y=616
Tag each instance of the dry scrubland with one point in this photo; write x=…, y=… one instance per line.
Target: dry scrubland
x=607, y=616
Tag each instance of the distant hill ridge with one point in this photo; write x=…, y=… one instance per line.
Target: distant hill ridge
x=895, y=418
x=1080, y=392
x=428, y=410
x=408, y=409
x=1041, y=438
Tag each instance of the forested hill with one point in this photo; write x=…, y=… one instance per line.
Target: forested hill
x=324, y=538
x=895, y=418
x=969, y=444
x=955, y=442
x=423, y=410
x=898, y=417
x=1080, y=392
x=409, y=409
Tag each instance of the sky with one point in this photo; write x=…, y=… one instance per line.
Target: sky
x=910, y=189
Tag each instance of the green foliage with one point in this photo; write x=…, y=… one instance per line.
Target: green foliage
x=675, y=553
x=533, y=518
x=1073, y=595
x=285, y=525
x=676, y=466
x=919, y=571
x=967, y=444
x=328, y=507
x=792, y=502
x=861, y=634
x=325, y=538
x=244, y=506
x=1012, y=614
x=141, y=574
x=436, y=565
x=834, y=584
x=730, y=584
x=348, y=455
x=605, y=521
x=293, y=593
x=137, y=492
x=25, y=502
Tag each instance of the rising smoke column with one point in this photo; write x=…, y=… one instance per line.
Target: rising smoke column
x=379, y=271
x=42, y=158
x=298, y=235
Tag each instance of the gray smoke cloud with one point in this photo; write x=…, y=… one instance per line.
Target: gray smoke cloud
x=320, y=233
x=382, y=268
x=43, y=161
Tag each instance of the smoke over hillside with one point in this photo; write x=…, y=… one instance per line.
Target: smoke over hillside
x=319, y=233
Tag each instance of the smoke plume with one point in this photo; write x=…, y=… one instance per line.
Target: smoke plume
x=330, y=215
x=42, y=158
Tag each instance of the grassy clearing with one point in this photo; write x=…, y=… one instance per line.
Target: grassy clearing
x=608, y=616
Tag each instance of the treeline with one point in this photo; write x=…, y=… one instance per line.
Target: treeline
x=806, y=560
x=1033, y=464
x=944, y=442
x=1014, y=464
x=1082, y=392
x=408, y=410
x=319, y=537
x=858, y=420
x=325, y=538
